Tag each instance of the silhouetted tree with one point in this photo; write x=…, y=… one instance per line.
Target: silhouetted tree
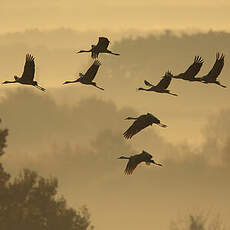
x=4, y=177
x=198, y=222
x=30, y=202
x=3, y=135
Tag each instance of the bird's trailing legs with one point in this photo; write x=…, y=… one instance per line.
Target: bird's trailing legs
x=98, y=87
x=152, y=161
x=113, y=53
x=162, y=125
x=218, y=83
x=39, y=87
x=173, y=94
x=224, y=86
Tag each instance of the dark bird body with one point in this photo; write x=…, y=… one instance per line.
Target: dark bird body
x=211, y=77
x=27, y=77
x=101, y=47
x=135, y=160
x=162, y=86
x=88, y=77
x=140, y=123
x=192, y=71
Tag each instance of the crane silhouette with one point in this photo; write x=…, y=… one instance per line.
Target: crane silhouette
x=88, y=77
x=192, y=71
x=27, y=77
x=162, y=86
x=135, y=160
x=211, y=77
x=101, y=47
x=140, y=123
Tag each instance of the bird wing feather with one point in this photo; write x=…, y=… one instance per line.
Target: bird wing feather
x=29, y=68
x=142, y=122
x=216, y=69
x=194, y=68
x=103, y=43
x=133, y=162
x=92, y=71
x=164, y=82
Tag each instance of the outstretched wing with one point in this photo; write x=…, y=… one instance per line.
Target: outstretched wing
x=29, y=68
x=142, y=122
x=216, y=69
x=133, y=162
x=193, y=69
x=165, y=81
x=103, y=43
x=92, y=71
x=147, y=83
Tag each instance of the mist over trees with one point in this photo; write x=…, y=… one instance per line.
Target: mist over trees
x=84, y=127
x=30, y=201
x=198, y=221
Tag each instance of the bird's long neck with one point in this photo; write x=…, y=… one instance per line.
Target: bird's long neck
x=6, y=82
x=131, y=118
x=143, y=89
x=122, y=157
x=85, y=51
x=68, y=82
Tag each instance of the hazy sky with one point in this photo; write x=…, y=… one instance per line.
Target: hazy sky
x=84, y=126
x=114, y=15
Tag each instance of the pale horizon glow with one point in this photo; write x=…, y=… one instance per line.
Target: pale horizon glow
x=117, y=16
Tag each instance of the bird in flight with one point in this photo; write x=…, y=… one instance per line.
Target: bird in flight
x=140, y=123
x=192, y=71
x=89, y=76
x=162, y=86
x=101, y=47
x=27, y=77
x=135, y=160
x=211, y=77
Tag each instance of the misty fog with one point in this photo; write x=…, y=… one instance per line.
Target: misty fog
x=75, y=132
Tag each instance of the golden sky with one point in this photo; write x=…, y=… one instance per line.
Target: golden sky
x=114, y=15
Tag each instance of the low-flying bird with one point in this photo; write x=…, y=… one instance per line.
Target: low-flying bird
x=211, y=77
x=135, y=160
x=88, y=77
x=101, y=47
x=27, y=77
x=192, y=70
x=162, y=86
x=140, y=123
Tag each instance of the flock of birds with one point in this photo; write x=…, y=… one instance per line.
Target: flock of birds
x=144, y=120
